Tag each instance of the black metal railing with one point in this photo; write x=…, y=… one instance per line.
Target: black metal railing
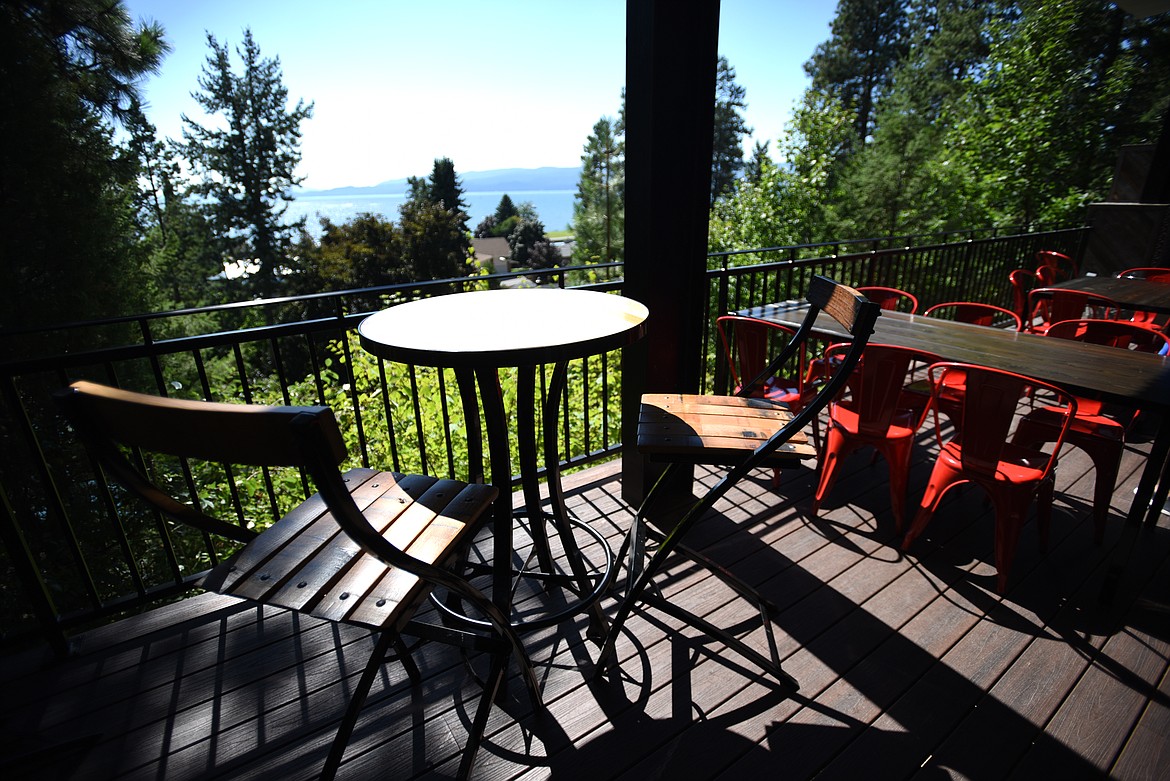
x=75, y=552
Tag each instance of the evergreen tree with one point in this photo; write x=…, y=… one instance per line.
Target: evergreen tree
x=68, y=72
x=599, y=208
x=435, y=243
x=727, y=154
x=505, y=209
x=855, y=66
x=893, y=176
x=446, y=189
x=248, y=167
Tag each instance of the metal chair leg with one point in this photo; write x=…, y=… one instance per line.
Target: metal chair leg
x=479, y=722
x=341, y=740
x=670, y=544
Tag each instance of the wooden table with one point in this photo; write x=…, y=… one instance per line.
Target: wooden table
x=1123, y=376
x=478, y=333
x=1129, y=293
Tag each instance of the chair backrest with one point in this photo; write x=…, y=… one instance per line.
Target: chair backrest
x=1150, y=274
x=1054, y=304
x=1123, y=334
x=1022, y=281
x=990, y=407
x=877, y=384
x=1064, y=266
x=748, y=343
x=976, y=313
x=1046, y=276
x=307, y=437
x=856, y=315
x=890, y=298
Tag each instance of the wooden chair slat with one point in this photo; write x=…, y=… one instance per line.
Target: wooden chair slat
x=321, y=567
x=223, y=579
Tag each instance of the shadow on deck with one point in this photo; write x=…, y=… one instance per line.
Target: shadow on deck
x=910, y=665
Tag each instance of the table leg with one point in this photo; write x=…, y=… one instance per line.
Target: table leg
x=529, y=479
x=1156, y=467
x=598, y=625
x=501, y=460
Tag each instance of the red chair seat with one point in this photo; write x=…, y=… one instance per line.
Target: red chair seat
x=878, y=412
x=982, y=451
x=1100, y=436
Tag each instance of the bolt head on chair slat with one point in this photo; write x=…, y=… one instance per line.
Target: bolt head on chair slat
x=367, y=549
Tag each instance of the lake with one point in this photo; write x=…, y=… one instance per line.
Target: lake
x=554, y=207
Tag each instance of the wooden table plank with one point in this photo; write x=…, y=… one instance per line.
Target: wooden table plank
x=1130, y=293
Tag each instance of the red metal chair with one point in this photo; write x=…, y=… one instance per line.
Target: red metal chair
x=890, y=298
x=976, y=313
x=1100, y=436
x=985, y=455
x=874, y=411
x=988, y=315
x=1023, y=282
x=1048, y=305
x=1064, y=266
x=749, y=344
x=1149, y=274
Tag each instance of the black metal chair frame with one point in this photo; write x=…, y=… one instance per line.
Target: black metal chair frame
x=857, y=315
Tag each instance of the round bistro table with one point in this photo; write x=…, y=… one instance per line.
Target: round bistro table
x=476, y=334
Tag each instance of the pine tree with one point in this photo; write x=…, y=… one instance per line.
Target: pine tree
x=727, y=149
x=599, y=208
x=68, y=73
x=856, y=65
x=248, y=168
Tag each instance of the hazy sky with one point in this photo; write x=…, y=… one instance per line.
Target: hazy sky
x=398, y=83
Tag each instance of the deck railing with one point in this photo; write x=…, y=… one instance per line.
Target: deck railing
x=75, y=551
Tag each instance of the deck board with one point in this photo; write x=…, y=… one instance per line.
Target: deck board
x=908, y=663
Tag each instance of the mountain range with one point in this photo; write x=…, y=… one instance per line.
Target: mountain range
x=499, y=180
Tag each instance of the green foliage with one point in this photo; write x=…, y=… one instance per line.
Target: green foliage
x=435, y=242
x=929, y=116
x=856, y=65
x=68, y=71
x=247, y=165
x=1064, y=89
x=502, y=222
x=366, y=251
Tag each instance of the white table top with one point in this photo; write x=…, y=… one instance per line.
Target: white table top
x=494, y=328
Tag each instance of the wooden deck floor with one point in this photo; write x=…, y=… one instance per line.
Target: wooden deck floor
x=910, y=666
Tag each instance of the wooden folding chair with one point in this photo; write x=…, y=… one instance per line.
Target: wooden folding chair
x=366, y=550
x=744, y=433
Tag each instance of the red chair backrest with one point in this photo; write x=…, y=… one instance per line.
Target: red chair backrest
x=877, y=383
x=1022, y=281
x=1064, y=266
x=1055, y=304
x=989, y=410
x=1148, y=274
x=1111, y=333
x=976, y=313
x=890, y=298
x=748, y=345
